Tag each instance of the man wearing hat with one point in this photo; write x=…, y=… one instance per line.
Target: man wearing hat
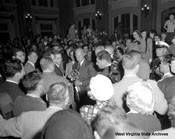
x=161, y=52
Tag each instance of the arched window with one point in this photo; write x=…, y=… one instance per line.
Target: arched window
x=126, y=23
x=135, y=22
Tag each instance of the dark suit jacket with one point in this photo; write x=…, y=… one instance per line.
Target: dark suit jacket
x=12, y=89
x=154, y=65
x=58, y=71
x=28, y=103
x=86, y=71
x=28, y=67
x=51, y=78
x=1, y=80
x=167, y=86
x=148, y=123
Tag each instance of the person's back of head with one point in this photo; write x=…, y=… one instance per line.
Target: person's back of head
x=109, y=49
x=108, y=116
x=13, y=69
x=46, y=63
x=58, y=95
x=98, y=49
x=104, y=55
x=131, y=60
x=33, y=82
x=66, y=124
x=48, y=53
x=140, y=98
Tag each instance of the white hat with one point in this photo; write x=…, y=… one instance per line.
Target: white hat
x=162, y=44
x=101, y=87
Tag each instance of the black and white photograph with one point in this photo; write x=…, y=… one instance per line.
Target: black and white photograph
x=87, y=69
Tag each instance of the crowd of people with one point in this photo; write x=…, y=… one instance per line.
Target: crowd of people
x=89, y=86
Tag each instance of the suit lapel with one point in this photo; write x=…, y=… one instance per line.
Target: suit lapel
x=83, y=65
x=58, y=71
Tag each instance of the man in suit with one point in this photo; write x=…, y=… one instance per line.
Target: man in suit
x=110, y=70
x=57, y=59
x=30, y=64
x=13, y=72
x=50, y=77
x=130, y=63
x=34, y=85
x=86, y=71
x=30, y=124
x=19, y=54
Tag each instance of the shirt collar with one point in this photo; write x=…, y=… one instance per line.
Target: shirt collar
x=167, y=74
x=108, y=65
x=32, y=95
x=11, y=81
x=57, y=65
x=130, y=75
x=81, y=63
x=55, y=107
x=31, y=63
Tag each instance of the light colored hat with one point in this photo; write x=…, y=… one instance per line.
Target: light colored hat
x=140, y=97
x=162, y=44
x=101, y=87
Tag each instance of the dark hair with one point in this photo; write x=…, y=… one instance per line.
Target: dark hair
x=31, y=80
x=138, y=32
x=104, y=55
x=56, y=52
x=121, y=51
x=158, y=35
x=11, y=67
x=15, y=50
x=170, y=14
x=153, y=31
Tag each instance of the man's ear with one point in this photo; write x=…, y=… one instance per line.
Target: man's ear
x=137, y=67
x=96, y=135
x=13, y=57
x=52, y=56
x=17, y=75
